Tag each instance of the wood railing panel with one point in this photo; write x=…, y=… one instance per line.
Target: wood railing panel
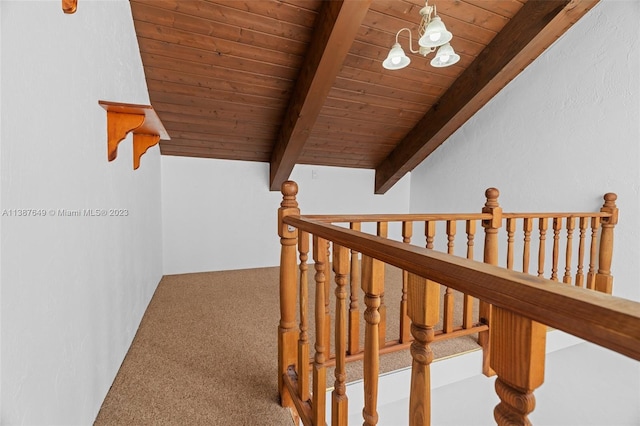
x=599, y=318
x=501, y=294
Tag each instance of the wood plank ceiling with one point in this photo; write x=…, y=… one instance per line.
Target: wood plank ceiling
x=301, y=81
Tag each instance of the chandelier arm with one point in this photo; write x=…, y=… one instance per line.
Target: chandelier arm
x=410, y=39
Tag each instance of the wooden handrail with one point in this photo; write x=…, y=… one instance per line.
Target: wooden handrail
x=576, y=215
x=603, y=319
x=397, y=217
x=420, y=217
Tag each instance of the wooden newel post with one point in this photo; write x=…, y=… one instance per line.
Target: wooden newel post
x=604, y=279
x=491, y=227
x=287, y=329
x=517, y=357
x=424, y=299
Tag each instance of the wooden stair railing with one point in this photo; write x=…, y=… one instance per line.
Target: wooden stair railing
x=420, y=300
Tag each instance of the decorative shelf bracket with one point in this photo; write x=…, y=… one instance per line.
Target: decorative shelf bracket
x=142, y=120
x=119, y=124
x=69, y=6
x=141, y=143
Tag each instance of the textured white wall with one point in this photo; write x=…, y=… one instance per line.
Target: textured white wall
x=221, y=215
x=0, y=216
x=558, y=137
x=73, y=288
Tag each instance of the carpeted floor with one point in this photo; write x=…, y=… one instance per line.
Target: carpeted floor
x=206, y=353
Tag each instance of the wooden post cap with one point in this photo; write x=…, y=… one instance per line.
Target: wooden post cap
x=492, y=195
x=289, y=188
x=611, y=207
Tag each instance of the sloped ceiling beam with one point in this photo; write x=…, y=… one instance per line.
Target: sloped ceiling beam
x=336, y=27
x=524, y=38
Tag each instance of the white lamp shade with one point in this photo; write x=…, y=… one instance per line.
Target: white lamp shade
x=396, y=58
x=445, y=57
x=435, y=34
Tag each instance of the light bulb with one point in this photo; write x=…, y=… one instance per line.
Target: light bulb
x=396, y=60
x=435, y=36
x=444, y=58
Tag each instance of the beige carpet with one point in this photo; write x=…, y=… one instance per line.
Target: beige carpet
x=206, y=353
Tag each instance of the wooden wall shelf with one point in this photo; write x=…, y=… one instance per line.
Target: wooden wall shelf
x=142, y=120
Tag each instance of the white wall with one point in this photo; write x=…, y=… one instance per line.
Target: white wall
x=220, y=214
x=73, y=288
x=557, y=138
x=0, y=219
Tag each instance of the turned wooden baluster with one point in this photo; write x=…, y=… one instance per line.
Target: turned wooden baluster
x=571, y=224
x=604, y=279
x=424, y=302
x=339, y=401
x=303, y=342
x=557, y=226
x=447, y=320
x=517, y=357
x=467, y=316
x=373, y=287
x=354, y=307
x=542, y=227
x=593, y=253
x=383, y=231
x=287, y=332
x=511, y=230
x=491, y=227
x=430, y=233
x=582, y=238
x=327, y=298
x=405, y=323
x=319, y=368
x=527, y=227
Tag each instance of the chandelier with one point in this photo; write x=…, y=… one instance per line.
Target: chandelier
x=432, y=35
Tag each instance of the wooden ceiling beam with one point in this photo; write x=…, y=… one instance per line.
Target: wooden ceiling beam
x=337, y=24
x=535, y=27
